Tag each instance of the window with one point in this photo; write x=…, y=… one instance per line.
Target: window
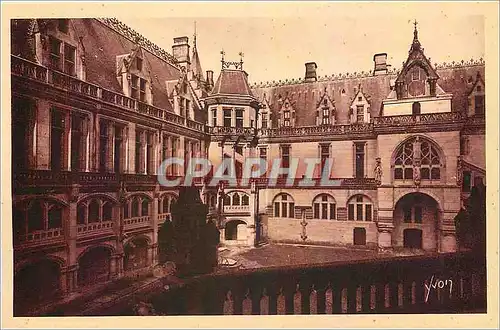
x=284, y=206
x=142, y=90
x=325, y=119
x=94, y=211
x=175, y=144
x=139, y=151
x=54, y=217
x=103, y=145
x=464, y=145
x=77, y=143
x=360, y=159
x=360, y=98
x=107, y=212
x=407, y=213
x=80, y=214
x=55, y=53
x=430, y=164
x=150, y=153
x=145, y=207
x=325, y=155
x=239, y=118
x=415, y=74
x=62, y=25
x=135, y=207
x=69, y=59
x=227, y=117
x=165, y=148
x=264, y=120
x=245, y=200
x=479, y=104
x=138, y=88
x=263, y=153
x=415, y=108
x=214, y=117
x=57, y=139
x=359, y=208
x=467, y=181
x=360, y=113
x=23, y=120
x=285, y=156
x=236, y=199
x=324, y=207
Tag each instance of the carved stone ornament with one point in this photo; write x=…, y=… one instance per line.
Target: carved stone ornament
x=459, y=170
x=416, y=173
x=378, y=171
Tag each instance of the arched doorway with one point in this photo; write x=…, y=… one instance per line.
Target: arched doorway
x=36, y=282
x=416, y=216
x=94, y=266
x=136, y=254
x=235, y=230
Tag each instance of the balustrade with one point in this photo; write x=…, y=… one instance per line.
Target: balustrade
x=236, y=208
x=41, y=236
x=136, y=222
x=91, y=228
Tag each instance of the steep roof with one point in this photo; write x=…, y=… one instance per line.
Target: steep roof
x=454, y=79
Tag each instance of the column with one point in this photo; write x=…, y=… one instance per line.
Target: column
x=447, y=240
x=385, y=227
x=154, y=224
x=67, y=141
x=131, y=148
x=70, y=233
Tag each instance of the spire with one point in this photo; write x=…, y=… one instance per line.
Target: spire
x=195, y=61
x=415, y=44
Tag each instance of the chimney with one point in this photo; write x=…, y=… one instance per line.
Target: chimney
x=210, y=79
x=180, y=50
x=311, y=72
x=380, y=62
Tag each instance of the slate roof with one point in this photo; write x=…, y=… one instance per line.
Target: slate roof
x=232, y=82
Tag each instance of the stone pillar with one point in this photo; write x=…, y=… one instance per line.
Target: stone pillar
x=385, y=227
x=43, y=135
x=154, y=223
x=69, y=278
x=113, y=269
x=150, y=255
x=447, y=240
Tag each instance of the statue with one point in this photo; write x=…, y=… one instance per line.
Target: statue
x=378, y=171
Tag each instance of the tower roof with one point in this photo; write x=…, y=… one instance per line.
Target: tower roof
x=195, y=60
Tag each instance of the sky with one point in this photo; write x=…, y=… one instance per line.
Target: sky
x=340, y=38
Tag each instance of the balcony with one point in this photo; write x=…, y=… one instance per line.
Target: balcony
x=91, y=229
x=222, y=131
x=23, y=68
x=237, y=209
x=162, y=218
x=317, y=130
x=40, y=237
x=136, y=222
x=424, y=119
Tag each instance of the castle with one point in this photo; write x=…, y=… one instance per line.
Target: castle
x=96, y=108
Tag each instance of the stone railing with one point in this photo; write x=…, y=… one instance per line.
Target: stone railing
x=40, y=236
x=162, y=217
x=395, y=285
x=136, y=222
x=221, y=130
x=27, y=69
x=92, y=228
x=236, y=208
x=316, y=130
x=434, y=118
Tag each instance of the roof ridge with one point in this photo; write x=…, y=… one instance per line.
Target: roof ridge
x=135, y=36
x=362, y=74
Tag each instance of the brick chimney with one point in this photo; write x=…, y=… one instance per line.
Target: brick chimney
x=210, y=79
x=380, y=64
x=180, y=50
x=311, y=72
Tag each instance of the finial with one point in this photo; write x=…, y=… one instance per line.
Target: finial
x=194, y=41
x=415, y=24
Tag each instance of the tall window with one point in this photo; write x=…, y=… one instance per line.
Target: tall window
x=263, y=153
x=430, y=164
x=58, y=125
x=284, y=206
x=359, y=208
x=324, y=207
x=479, y=104
x=415, y=108
x=149, y=152
x=164, y=148
x=325, y=116
x=214, y=117
x=138, y=63
x=117, y=155
x=23, y=122
x=360, y=113
x=324, y=154
x=62, y=56
x=103, y=145
x=77, y=143
x=227, y=117
x=175, y=148
x=285, y=156
x=138, y=88
x=139, y=147
x=239, y=117
x=360, y=159
x=412, y=212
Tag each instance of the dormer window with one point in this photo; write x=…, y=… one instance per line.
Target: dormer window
x=138, y=63
x=326, y=117
x=138, y=88
x=360, y=113
x=264, y=120
x=55, y=53
x=286, y=121
x=69, y=59
x=479, y=104
x=360, y=98
x=227, y=117
x=62, y=25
